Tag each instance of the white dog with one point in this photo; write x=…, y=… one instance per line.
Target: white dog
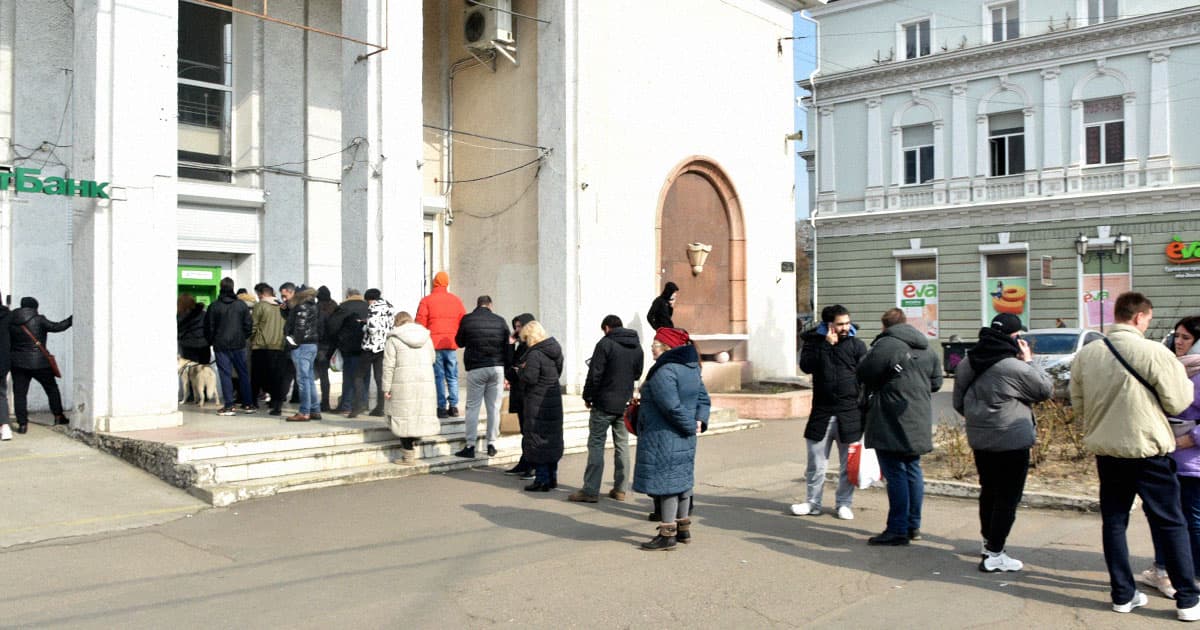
x=198, y=380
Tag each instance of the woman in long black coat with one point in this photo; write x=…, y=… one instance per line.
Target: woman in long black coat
x=542, y=442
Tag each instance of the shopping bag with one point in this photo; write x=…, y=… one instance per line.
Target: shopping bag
x=862, y=466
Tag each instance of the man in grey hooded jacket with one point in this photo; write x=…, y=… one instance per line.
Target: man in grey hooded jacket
x=994, y=389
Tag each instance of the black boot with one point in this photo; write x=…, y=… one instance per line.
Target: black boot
x=664, y=541
x=61, y=419
x=684, y=526
x=23, y=427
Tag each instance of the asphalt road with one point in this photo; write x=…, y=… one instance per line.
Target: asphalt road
x=470, y=549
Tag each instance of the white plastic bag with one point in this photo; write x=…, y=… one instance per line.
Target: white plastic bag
x=862, y=466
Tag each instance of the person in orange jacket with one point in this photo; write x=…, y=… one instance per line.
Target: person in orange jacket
x=440, y=312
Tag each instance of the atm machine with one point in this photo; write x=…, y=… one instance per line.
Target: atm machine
x=203, y=282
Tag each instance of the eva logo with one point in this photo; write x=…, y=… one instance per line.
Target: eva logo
x=26, y=180
x=1180, y=253
x=926, y=291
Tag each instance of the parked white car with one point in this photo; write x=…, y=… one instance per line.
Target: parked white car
x=1054, y=349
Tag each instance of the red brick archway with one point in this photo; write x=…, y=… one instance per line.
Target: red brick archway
x=698, y=203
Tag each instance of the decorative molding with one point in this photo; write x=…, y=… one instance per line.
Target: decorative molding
x=1051, y=73
x=1158, y=56
x=825, y=110
x=1050, y=48
x=958, y=89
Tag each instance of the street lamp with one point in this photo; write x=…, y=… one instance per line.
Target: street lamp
x=1114, y=255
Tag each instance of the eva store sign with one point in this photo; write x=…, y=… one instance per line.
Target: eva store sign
x=1180, y=253
x=26, y=180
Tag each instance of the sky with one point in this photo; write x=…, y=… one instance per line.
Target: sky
x=804, y=52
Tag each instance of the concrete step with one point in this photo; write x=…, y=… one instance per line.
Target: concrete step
x=238, y=478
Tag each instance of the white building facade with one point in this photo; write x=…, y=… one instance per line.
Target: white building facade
x=972, y=143
x=310, y=143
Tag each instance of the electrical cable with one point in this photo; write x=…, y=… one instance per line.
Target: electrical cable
x=481, y=136
x=536, y=160
x=491, y=215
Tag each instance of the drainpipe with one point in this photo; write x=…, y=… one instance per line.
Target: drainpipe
x=448, y=120
x=812, y=211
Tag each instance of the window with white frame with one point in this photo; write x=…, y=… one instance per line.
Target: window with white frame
x=1006, y=140
x=917, y=141
x=1006, y=21
x=1101, y=11
x=1104, y=130
x=916, y=39
x=205, y=96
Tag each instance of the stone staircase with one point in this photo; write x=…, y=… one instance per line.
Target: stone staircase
x=226, y=470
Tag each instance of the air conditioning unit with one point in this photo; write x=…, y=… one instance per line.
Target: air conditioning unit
x=488, y=24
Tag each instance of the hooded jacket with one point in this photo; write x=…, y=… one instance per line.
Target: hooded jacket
x=616, y=364
x=902, y=373
x=661, y=311
x=25, y=354
x=227, y=324
x=440, y=312
x=1121, y=418
x=303, y=319
x=380, y=316
x=345, y=327
x=835, y=384
x=484, y=334
x=189, y=331
x=542, y=441
x=673, y=401
x=412, y=405
x=515, y=358
x=996, y=402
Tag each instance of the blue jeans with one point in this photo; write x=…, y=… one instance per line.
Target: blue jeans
x=905, y=489
x=1153, y=479
x=303, y=358
x=352, y=390
x=227, y=362
x=445, y=375
x=1189, y=500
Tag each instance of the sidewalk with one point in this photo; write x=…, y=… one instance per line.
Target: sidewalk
x=53, y=486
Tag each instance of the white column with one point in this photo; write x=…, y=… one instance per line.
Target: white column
x=1075, y=167
x=1158, y=161
x=1133, y=155
x=1051, y=120
x=982, y=159
x=897, y=156
x=1029, y=123
x=958, y=107
x=382, y=221
x=939, y=151
x=825, y=150
x=125, y=134
x=874, y=144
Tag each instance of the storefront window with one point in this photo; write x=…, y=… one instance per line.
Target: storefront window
x=1006, y=286
x=917, y=293
x=205, y=92
x=1097, y=299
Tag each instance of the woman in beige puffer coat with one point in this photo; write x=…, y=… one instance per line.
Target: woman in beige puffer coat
x=408, y=386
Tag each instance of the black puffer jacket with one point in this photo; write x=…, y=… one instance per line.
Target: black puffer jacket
x=543, y=438
x=345, y=327
x=903, y=373
x=25, y=354
x=189, y=330
x=5, y=341
x=835, y=385
x=227, y=324
x=484, y=334
x=616, y=363
x=516, y=358
x=303, y=320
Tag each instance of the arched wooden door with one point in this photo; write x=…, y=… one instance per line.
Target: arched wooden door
x=698, y=204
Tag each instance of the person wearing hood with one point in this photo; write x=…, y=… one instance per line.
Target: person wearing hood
x=6, y=432
x=325, y=348
x=542, y=441
x=831, y=354
x=380, y=315
x=408, y=386
x=28, y=330
x=994, y=389
x=515, y=403
x=440, y=312
x=344, y=329
x=303, y=332
x=1186, y=426
x=662, y=309
x=228, y=327
x=900, y=374
x=484, y=335
x=189, y=330
x=615, y=365
x=674, y=410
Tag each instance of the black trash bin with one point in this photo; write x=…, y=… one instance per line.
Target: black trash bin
x=953, y=353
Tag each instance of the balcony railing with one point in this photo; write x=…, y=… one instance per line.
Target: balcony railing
x=916, y=197
x=1008, y=187
x=1101, y=182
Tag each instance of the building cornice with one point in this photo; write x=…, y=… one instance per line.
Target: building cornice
x=1023, y=211
x=1046, y=49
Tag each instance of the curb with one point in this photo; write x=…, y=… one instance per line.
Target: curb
x=962, y=490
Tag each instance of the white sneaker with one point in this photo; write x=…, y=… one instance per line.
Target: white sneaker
x=845, y=513
x=806, y=509
x=994, y=562
x=5, y=432
x=1188, y=614
x=1159, y=581
x=1139, y=600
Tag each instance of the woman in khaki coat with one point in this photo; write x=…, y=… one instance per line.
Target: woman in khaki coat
x=408, y=386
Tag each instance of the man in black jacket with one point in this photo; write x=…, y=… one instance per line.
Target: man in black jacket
x=831, y=354
x=228, y=327
x=345, y=332
x=484, y=334
x=302, y=332
x=615, y=365
x=5, y=344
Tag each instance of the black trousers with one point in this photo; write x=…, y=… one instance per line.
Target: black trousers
x=45, y=378
x=321, y=371
x=367, y=362
x=1001, y=483
x=271, y=372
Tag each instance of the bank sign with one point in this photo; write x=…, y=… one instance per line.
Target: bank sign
x=27, y=180
x=1184, y=258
